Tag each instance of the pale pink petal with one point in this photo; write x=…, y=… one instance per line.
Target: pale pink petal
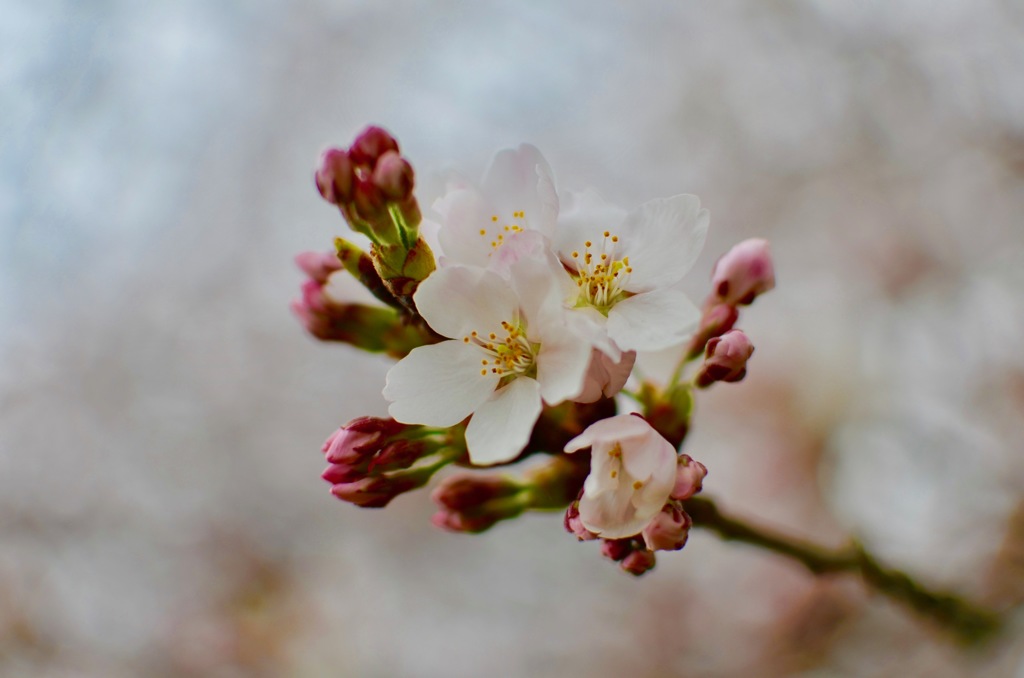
x=653, y=320
x=612, y=515
x=605, y=377
x=438, y=385
x=458, y=300
x=501, y=427
x=513, y=181
x=651, y=459
x=663, y=239
x=464, y=213
x=584, y=216
x=561, y=367
x=610, y=430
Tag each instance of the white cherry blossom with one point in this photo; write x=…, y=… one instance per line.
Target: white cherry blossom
x=509, y=350
x=632, y=473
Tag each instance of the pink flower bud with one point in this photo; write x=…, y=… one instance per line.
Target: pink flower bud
x=716, y=320
x=725, y=358
x=335, y=176
x=617, y=549
x=744, y=272
x=474, y=503
x=359, y=439
x=368, y=200
x=471, y=490
x=638, y=562
x=689, y=477
x=344, y=473
x=573, y=524
x=376, y=491
x=318, y=265
x=371, y=144
x=668, y=530
x=393, y=176
x=397, y=455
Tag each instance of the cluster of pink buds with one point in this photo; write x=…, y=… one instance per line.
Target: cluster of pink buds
x=372, y=185
x=371, y=461
x=739, y=276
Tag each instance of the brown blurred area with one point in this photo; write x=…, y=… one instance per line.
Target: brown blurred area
x=161, y=414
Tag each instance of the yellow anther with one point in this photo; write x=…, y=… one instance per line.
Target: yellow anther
x=494, y=218
x=607, y=233
x=483, y=231
x=637, y=485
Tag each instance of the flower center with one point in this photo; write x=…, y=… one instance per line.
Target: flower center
x=510, y=356
x=599, y=275
x=501, y=228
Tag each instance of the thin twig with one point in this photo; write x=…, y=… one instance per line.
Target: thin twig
x=967, y=621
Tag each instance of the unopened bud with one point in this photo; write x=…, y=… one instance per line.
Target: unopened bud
x=360, y=439
x=725, y=358
x=574, y=525
x=335, y=176
x=372, y=143
x=318, y=265
x=377, y=491
x=717, y=319
x=368, y=201
x=744, y=272
x=393, y=176
x=638, y=562
x=617, y=549
x=474, y=503
x=668, y=530
x=689, y=477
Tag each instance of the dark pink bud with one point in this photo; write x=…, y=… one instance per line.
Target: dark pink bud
x=318, y=265
x=725, y=358
x=335, y=176
x=313, y=297
x=371, y=144
x=375, y=491
x=638, y=562
x=617, y=549
x=574, y=525
x=393, y=176
x=359, y=439
x=716, y=320
x=368, y=200
x=744, y=272
x=398, y=454
x=689, y=477
x=468, y=490
x=344, y=473
x=668, y=530
x=454, y=521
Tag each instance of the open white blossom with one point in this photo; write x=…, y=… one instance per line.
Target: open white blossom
x=632, y=473
x=508, y=350
x=624, y=265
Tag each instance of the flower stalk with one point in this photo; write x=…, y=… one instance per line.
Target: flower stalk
x=966, y=621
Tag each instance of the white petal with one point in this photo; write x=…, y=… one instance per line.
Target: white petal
x=585, y=216
x=561, y=366
x=458, y=300
x=501, y=427
x=663, y=239
x=650, y=457
x=653, y=320
x=605, y=377
x=611, y=430
x=464, y=213
x=612, y=514
x=513, y=182
x=438, y=385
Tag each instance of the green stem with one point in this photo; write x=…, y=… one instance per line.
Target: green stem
x=964, y=619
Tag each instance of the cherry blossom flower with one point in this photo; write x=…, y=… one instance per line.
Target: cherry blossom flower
x=508, y=350
x=517, y=194
x=624, y=265
x=632, y=473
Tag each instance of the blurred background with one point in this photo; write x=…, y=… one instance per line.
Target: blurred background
x=161, y=413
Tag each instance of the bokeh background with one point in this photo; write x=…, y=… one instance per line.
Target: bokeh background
x=161, y=414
